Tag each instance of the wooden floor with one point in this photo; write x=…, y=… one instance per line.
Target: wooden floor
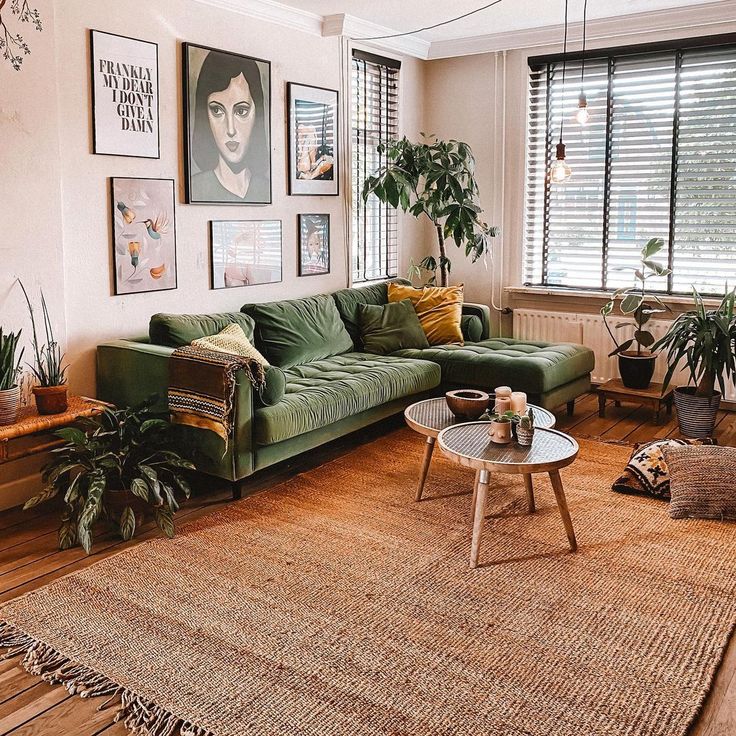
x=29, y=559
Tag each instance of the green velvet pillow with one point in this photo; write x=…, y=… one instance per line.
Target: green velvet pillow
x=472, y=327
x=299, y=330
x=390, y=327
x=274, y=389
x=177, y=330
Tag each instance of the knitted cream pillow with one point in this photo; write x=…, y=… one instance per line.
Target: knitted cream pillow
x=230, y=340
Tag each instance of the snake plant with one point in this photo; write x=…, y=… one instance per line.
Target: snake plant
x=10, y=359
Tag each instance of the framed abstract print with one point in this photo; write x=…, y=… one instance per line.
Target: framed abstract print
x=227, y=127
x=313, y=140
x=245, y=252
x=314, y=245
x=143, y=235
x=125, y=94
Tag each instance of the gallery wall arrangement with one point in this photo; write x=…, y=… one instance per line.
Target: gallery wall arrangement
x=227, y=100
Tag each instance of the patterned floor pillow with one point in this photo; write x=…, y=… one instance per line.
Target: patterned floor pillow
x=646, y=473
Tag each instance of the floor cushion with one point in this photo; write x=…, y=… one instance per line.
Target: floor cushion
x=296, y=331
x=534, y=367
x=325, y=391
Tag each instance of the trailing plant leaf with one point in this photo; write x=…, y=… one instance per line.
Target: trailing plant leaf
x=127, y=523
x=46, y=494
x=165, y=520
x=67, y=534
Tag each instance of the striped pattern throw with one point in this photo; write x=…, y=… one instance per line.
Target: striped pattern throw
x=202, y=387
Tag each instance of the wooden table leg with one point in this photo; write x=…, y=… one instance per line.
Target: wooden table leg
x=554, y=476
x=528, y=484
x=428, y=450
x=475, y=495
x=601, y=405
x=480, y=507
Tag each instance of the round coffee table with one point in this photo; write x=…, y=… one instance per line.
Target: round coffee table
x=431, y=416
x=470, y=445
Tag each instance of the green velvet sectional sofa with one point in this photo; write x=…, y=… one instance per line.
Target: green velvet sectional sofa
x=321, y=386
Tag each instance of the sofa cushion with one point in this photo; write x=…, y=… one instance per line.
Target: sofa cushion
x=299, y=330
x=386, y=328
x=326, y=391
x=439, y=309
x=348, y=300
x=177, y=330
x=472, y=327
x=534, y=367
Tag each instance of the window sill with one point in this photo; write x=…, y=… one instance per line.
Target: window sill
x=585, y=294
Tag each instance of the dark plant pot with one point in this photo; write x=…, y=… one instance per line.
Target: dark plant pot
x=696, y=415
x=116, y=502
x=467, y=404
x=51, y=399
x=636, y=370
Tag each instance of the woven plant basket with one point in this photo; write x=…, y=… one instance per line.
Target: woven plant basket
x=696, y=415
x=9, y=406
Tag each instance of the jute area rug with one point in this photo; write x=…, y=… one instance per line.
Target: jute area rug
x=333, y=604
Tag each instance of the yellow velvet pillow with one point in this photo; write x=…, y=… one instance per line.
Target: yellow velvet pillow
x=439, y=309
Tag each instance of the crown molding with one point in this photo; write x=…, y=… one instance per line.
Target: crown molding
x=273, y=12
x=357, y=28
x=688, y=18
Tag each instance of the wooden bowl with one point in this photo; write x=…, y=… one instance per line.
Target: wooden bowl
x=467, y=403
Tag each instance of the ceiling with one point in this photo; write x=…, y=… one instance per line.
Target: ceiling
x=507, y=16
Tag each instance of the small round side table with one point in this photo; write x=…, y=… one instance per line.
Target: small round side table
x=431, y=416
x=470, y=445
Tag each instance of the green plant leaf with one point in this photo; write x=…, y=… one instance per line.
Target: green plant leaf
x=127, y=523
x=644, y=338
x=46, y=494
x=67, y=535
x=630, y=303
x=72, y=435
x=165, y=520
x=139, y=487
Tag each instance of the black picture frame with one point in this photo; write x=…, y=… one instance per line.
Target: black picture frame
x=214, y=278
x=113, y=207
x=315, y=187
x=189, y=131
x=303, y=246
x=96, y=146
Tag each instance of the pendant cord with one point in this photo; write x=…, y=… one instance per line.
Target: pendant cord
x=564, y=69
x=582, y=61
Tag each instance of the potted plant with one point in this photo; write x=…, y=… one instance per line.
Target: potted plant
x=9, y=371
x=704, y=340
x=435, y=179
x=525, y=429
x=636, y=367
x=48, y=368
x=123, y=466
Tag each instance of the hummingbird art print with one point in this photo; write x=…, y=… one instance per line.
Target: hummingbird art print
x=158, y=227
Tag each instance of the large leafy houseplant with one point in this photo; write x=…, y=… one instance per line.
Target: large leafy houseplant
x=637, y=366
x=704, y=340
x=10, y=361
x=435, y=179
x=48, y=362
x=118, y=466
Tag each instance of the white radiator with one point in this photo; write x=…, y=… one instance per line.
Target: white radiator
x=589, y=330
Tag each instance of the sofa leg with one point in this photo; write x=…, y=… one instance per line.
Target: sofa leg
x=571, y=408
x=237, y=490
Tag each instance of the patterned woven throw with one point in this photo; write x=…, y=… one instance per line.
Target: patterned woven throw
x=202, y=387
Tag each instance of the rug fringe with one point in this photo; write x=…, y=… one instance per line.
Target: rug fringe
x=141, y=717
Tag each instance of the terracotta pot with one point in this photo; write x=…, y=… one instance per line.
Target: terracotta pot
x=636, y=370
x=500, y=432
x=467, y=403
x=9, y=405
x=51, y=399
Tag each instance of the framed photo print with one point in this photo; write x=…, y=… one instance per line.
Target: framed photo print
x=313, y=140
x=227, y=127
x=143, y=235
x=314, y=244
x=245, y=252
x=125, y=93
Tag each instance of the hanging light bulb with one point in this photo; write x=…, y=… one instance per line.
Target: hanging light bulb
x=582, y=115
x=560, y=172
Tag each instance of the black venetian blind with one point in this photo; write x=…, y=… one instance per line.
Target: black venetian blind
x=375, y=107
x=657, y=159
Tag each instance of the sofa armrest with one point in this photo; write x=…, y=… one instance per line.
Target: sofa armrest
x=129, y=372
x=483, y=312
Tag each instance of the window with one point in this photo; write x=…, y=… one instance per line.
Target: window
x=375, y=89
x=657, y=159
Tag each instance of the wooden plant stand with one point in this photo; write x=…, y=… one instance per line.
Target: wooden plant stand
x=653, y=396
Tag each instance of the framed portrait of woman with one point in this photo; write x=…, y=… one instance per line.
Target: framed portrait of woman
x=313, y=140
x=227, y=127
x=314, y=244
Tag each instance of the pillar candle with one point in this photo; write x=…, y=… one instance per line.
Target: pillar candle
x=503, y=392
x=503, y=403
x=518, y=402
